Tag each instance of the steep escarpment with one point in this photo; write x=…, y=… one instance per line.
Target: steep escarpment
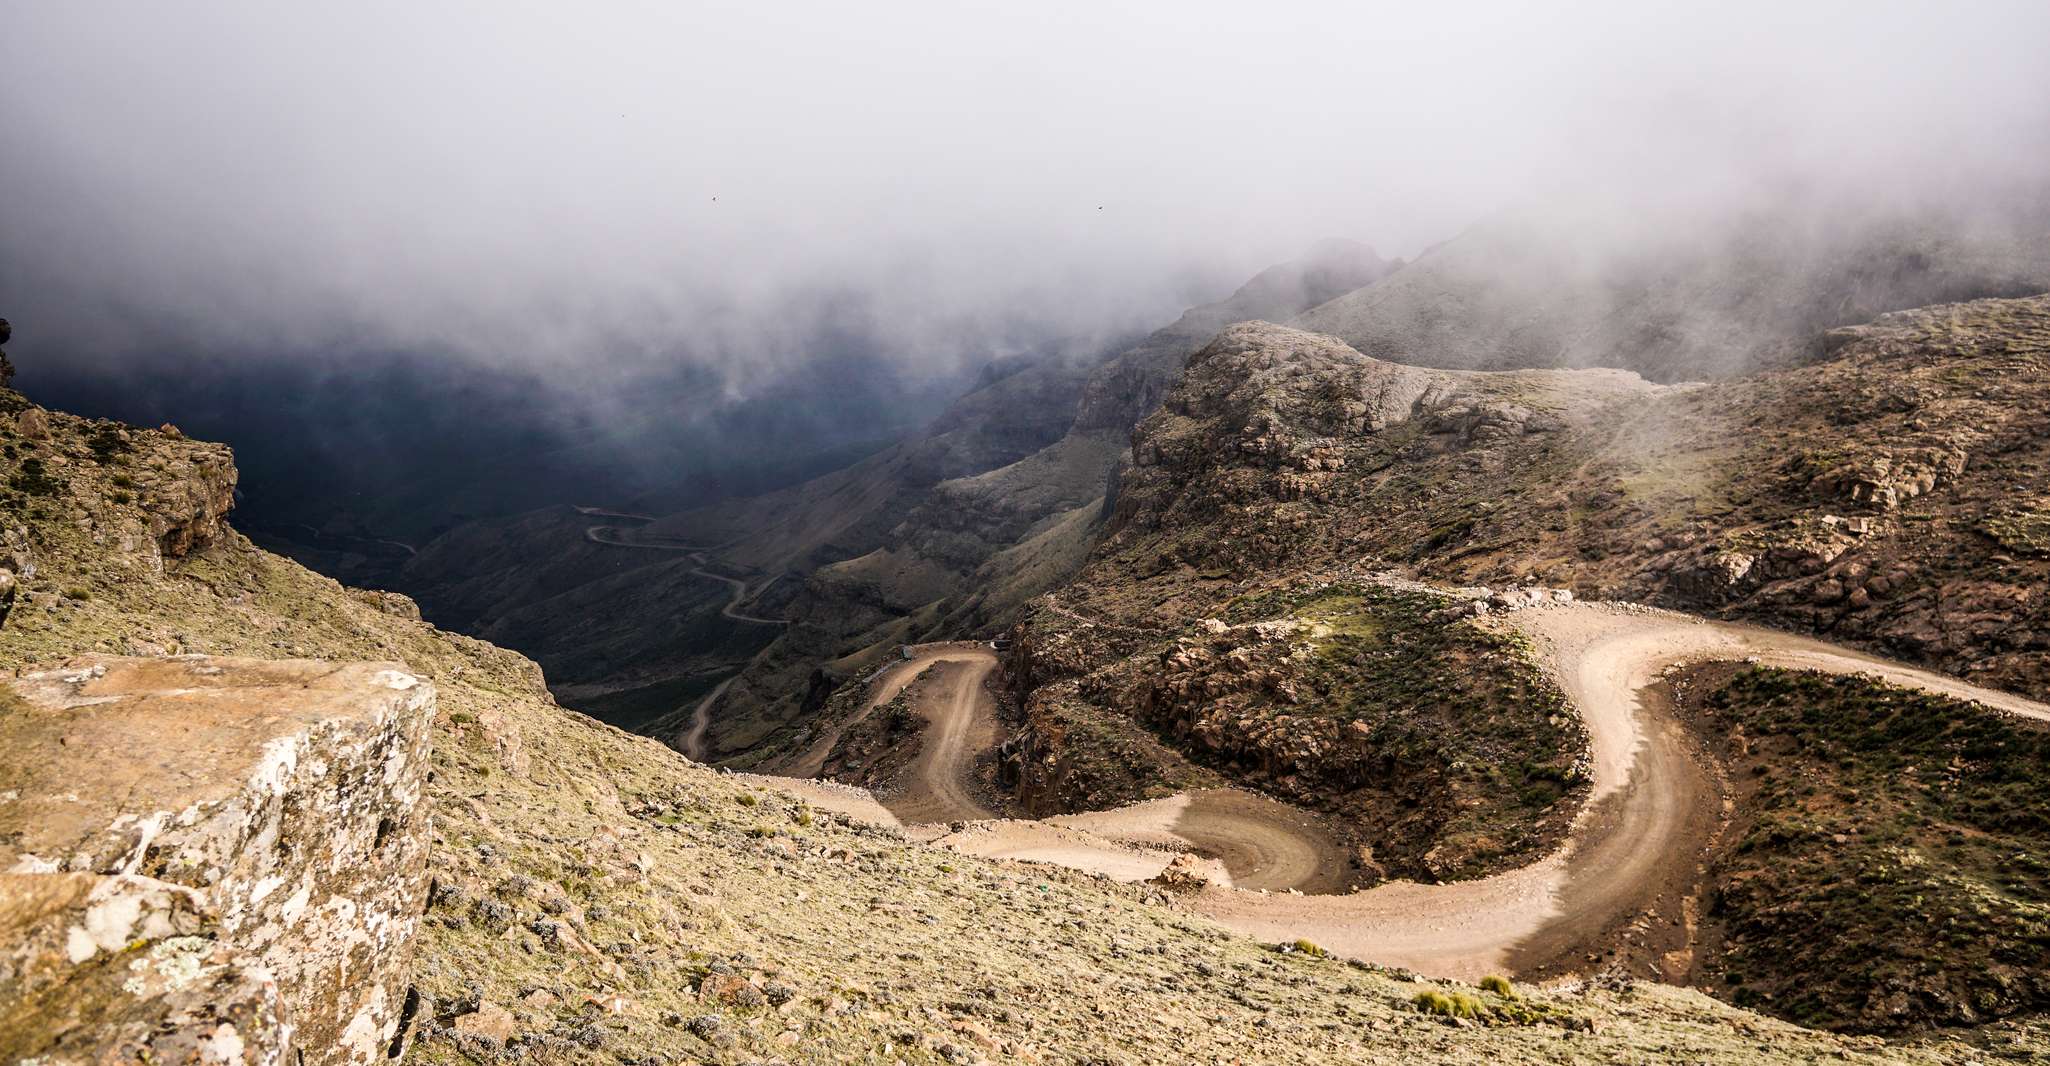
x=595, y=898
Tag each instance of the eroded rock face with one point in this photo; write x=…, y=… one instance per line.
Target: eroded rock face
x=210, y=860
x=187, y=502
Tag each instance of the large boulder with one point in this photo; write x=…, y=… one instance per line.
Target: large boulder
x=210, y=860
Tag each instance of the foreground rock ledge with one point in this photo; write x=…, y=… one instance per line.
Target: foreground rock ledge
x=209, y=860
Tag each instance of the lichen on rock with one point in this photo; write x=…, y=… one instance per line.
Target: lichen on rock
x=252, y=828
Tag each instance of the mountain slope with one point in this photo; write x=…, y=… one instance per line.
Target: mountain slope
x=1891, y=495
x=1681, y=290
x=934, y=571
x=1885, y=494
x=866, y=548
x=599, y=899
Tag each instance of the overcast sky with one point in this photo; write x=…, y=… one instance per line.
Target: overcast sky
x=609, y=183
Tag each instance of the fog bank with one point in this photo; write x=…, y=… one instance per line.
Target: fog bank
x=602, y=189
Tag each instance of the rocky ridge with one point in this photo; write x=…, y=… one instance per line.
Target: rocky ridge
x=1864, y=497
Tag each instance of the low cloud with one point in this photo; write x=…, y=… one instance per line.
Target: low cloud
x=616, y=187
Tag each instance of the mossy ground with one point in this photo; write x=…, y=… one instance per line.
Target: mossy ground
x=2025, y=531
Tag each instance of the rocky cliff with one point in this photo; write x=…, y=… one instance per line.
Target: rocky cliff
x=1882, y=495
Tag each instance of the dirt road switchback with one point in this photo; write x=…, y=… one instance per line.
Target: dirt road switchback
x=1652, y=810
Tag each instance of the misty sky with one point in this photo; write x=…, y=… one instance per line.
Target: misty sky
x=609, y=184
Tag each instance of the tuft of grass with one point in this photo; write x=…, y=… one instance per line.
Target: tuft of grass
x=747, y=799
x=1449, y=1004
x=1308, y=947
x=1499, y=985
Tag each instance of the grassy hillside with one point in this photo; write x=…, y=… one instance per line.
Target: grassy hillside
x=1889, y=868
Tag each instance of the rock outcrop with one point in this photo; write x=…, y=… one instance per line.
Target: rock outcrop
x=210, y=859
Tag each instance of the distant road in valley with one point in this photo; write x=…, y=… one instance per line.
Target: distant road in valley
x=693, y=739
x=613, y=536
x=606, y=512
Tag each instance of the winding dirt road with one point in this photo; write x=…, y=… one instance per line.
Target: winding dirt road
x=1652, y=810
x=1258, y=843
x=967, y=706
x=693, y=740
x=613, y=536
x=701, y=719
x=960, y=725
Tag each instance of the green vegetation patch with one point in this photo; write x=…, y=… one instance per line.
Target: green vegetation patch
x=1491, y=1007
x=2025, y=532
x=1456, y=717
x=1896, y=873
x=1104, y=760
